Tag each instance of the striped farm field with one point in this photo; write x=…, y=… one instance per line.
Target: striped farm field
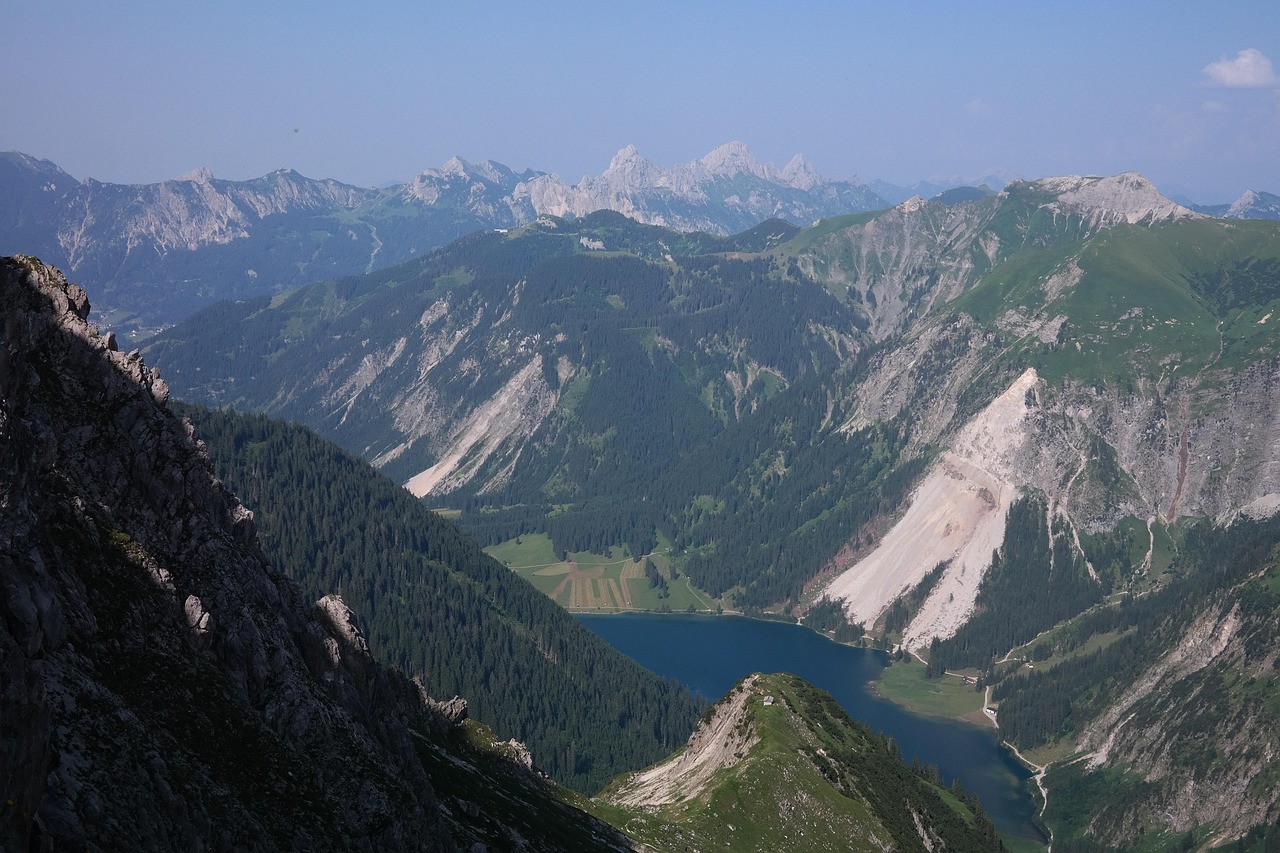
x=598, y=582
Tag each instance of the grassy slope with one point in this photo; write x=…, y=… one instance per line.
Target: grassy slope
x=1148, y=302
x=904, y=683
x=813, y=780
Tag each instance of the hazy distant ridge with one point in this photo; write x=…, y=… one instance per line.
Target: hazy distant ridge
x=153, y=253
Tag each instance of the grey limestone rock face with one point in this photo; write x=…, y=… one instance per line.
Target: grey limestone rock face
x=163, y=687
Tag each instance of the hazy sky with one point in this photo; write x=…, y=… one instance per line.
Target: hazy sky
x=1186, y=92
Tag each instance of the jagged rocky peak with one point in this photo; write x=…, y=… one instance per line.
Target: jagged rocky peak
x=628, y=170
x=800, y=174
x=734, y=158
x=201, y=175
x=1254, y=205
x=456, y=167
x=149, y=654
x=1247, y=199
x=625, y=157
x=429, y=186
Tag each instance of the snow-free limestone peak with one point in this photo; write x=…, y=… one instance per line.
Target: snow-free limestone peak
x=1126, y=197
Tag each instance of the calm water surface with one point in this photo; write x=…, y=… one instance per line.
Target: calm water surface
x=710, y=654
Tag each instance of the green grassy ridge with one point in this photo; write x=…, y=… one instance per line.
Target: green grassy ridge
x=812, y=779
x=807, y=237
x=1147, y=303
x=1022, y=221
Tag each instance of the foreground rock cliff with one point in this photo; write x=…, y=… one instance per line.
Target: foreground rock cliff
x=162, y=686
x=150, y=653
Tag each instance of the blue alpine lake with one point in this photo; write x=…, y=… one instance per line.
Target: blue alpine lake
x=710, y=654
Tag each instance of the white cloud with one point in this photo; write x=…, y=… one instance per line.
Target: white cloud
x=1249, y=70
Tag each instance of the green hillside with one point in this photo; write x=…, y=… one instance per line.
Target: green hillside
x=794, y=772
x=1213, y=719
x=1148, y=301
x=434, y=605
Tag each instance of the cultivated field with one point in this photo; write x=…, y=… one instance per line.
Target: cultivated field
x=595, y=582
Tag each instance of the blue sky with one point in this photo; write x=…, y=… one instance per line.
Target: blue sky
x=1186, y=93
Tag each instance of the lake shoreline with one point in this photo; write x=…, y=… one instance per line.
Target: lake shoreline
x=975, y=716
x=710, y=655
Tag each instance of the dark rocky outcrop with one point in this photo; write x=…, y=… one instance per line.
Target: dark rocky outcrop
x=161, y=686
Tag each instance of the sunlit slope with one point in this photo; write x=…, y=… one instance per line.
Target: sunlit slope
x=777, y=764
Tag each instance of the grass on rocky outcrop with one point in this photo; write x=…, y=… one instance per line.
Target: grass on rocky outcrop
x=807, y=778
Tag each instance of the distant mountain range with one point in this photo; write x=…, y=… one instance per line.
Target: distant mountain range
x=725, y=192
x=154, y=253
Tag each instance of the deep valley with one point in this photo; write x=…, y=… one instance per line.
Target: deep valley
x=1026, y=441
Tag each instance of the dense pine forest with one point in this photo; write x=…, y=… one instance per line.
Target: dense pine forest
x=432, y=603
x=1217, y=569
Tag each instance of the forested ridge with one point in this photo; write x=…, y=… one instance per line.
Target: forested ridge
x=1215, y=570
x=1037, y=579
x=432, y=603
x=703, y=402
